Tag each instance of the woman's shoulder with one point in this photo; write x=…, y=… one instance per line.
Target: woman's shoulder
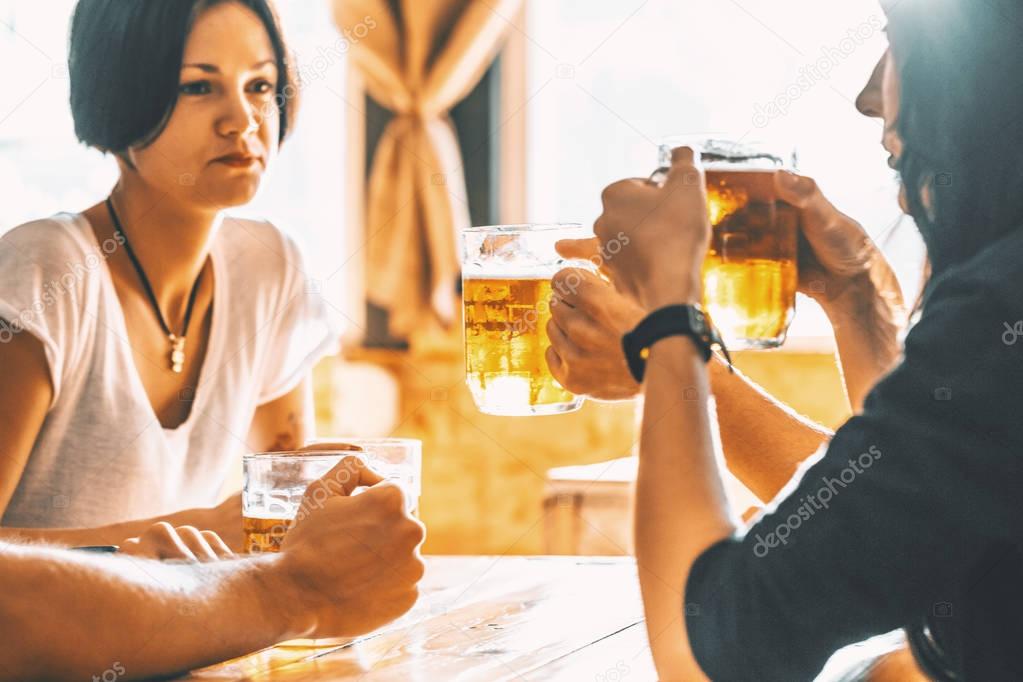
x=60, y=240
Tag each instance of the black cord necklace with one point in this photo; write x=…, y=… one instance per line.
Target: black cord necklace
x=177, y=352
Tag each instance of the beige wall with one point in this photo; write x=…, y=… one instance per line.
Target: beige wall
x=483, y=476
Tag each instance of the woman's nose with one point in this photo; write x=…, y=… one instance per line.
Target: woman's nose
x=870, y=101
x=240, y=116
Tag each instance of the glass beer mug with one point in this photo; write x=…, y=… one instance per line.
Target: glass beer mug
x=506, y=291
x=750, y=274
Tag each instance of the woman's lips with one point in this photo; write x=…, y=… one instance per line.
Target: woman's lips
x=237, y=160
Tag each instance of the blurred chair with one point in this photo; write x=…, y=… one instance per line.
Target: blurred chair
x=588, y=509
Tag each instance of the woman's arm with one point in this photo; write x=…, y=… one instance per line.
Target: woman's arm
x=764, y=441
x=286, y=423
x=843, y=270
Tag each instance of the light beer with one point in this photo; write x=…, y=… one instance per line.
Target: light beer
x=264, y=535
x=750, y=274
x=505, y=345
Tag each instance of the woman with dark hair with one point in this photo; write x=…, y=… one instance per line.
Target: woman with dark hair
x=151, y=339
x=908, y=517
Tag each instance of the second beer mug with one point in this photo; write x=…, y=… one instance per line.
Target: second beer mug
x=749, y=275
x=506, y=289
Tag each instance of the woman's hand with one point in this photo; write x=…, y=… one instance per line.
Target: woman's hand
x=588, y=320
x=225, y=520
x=837, y=257
x=184, y=543
x=843, y=270
x=656, y=237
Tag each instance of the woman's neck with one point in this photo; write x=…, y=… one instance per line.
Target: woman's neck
x=171, y=240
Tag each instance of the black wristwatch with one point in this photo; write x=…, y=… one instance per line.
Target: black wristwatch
x=675, y=320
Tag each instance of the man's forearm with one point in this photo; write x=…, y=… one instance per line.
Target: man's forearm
x=764, y=440
x=681, y=507
x=76, y=615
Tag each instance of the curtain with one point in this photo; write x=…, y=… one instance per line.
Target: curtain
x=419, y=58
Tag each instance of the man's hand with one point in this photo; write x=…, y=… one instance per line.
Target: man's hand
x=184, y=543
x=656, y=237
x=588, y=320
x=351, y=562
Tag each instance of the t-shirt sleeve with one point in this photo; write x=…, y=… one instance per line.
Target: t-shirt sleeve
x=302, y=329
x=885, y=525
x=45, y=279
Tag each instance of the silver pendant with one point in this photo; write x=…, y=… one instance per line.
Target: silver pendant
x=177, y=355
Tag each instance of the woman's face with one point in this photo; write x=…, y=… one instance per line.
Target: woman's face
x=880, y=99
x=223, y=131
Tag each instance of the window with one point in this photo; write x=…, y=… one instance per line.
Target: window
x=606, y=81
x=43, y=168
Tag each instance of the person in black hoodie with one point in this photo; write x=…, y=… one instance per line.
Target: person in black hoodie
x=908, y=518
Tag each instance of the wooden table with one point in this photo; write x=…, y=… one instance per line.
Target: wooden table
x=487, y=619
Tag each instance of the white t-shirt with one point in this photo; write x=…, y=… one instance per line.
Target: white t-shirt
x=102, y=455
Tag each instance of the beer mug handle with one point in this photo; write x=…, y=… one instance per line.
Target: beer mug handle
x=658, y=176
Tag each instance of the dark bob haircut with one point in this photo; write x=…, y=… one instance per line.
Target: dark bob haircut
x=124, y=61
x=961, y=121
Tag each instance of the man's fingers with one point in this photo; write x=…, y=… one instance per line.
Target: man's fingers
x=582, y=249
x=562, y=344
x=578, y=288
x=347, y=475
x=577, y=326
x=555, y=364
x=685, y=169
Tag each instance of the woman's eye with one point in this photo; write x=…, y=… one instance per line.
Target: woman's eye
x=262, y=87
x=195, y=88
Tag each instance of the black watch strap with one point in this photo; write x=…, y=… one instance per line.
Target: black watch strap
x=675, y=320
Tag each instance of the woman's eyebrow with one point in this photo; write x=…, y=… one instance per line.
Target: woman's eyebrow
x=213, y=68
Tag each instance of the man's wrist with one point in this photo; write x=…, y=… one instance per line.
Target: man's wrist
x=270, y=586
x=662, y=294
